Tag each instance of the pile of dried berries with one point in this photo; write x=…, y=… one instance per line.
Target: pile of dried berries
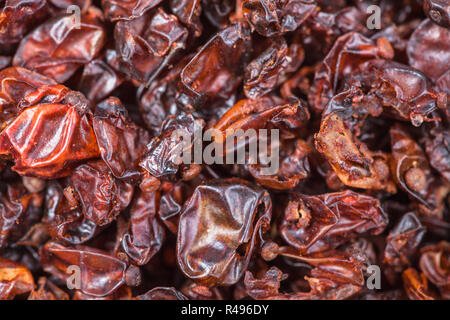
x=95, y=205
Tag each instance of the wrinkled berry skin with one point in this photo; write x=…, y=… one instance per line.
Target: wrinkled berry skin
x=224, y=150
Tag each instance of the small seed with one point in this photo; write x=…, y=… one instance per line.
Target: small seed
x=415, y=179
x=269, y=251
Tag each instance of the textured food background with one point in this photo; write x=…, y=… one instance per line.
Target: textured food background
x=94, y=203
